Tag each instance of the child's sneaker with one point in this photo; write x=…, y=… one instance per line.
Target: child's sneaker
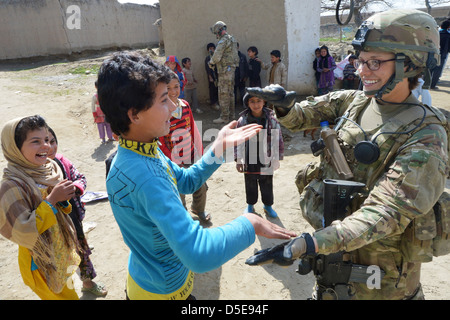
x=268, y=210
x=250, y=209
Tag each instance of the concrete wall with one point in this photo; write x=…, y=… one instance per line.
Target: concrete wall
x=303, y=25
x=291, y=26
x=47, y=27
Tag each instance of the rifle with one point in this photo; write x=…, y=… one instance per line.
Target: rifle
x=333, y=273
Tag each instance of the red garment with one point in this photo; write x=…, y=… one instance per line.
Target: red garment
x=183, y=145
x=99, y=116
x=178, y=71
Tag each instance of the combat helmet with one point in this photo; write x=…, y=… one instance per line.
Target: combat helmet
x=412, y=35
x=218, y=27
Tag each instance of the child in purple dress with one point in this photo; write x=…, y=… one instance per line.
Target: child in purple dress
x=99, y=119
x=325, y=65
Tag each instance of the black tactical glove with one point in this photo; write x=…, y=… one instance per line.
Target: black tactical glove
x=286, y=253
x=274, y=94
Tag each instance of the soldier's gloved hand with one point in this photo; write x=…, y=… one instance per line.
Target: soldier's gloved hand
x=211, y=65
x=274, y=94
x=284, y=254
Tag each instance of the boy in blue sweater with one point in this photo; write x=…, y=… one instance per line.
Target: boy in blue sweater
x=166, y=245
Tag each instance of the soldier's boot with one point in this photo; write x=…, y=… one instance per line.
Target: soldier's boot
x=224, y=115
x=220, y=120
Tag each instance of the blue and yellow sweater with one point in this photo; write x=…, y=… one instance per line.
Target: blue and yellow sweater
x=166, y=244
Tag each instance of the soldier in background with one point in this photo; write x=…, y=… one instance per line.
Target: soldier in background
x=225, y=59
x=392, y=143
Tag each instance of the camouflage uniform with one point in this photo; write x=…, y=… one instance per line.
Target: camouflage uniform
x=391, y=222
x=226, y=60
x=397, y=192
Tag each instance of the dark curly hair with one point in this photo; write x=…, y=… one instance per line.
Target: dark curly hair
x=127, y=80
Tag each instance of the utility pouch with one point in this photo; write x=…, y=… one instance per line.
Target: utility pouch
x=441, y=242
x=306, y=175
x=311, y=203
x=309, y=184
x=417, y=240
x=428, y=235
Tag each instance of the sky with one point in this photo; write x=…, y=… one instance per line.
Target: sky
x=396, y=4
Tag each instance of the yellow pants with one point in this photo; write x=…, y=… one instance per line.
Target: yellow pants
x=135, y=292
x=42, y=290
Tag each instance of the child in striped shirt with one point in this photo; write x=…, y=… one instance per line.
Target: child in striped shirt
x=183, y=144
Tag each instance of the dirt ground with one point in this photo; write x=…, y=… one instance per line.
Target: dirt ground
x=60, y=90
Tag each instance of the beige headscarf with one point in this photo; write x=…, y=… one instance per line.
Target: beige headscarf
x=49, y=174
x=19, y=199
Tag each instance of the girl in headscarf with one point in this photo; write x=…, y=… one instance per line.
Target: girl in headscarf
x=174, y=65
x=325, y=65
x=34, y=210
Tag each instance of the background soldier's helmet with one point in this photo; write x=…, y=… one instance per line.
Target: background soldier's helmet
x=218, y=27
x=410, y=32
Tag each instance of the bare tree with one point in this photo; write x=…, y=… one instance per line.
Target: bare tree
x=429, y=4
x=362, y=9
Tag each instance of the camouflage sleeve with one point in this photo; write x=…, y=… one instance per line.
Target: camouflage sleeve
x=218, y=53
x=408, y=189
x=308, y=113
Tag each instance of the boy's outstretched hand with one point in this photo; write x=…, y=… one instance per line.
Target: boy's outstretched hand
x=230, y=136
x=268, y=229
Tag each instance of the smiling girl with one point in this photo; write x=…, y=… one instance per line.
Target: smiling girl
x=34, y=210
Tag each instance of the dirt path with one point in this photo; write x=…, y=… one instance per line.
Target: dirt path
x=61, y=91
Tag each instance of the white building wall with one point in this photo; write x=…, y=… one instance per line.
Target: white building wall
x=303, y=34
x=291, y=26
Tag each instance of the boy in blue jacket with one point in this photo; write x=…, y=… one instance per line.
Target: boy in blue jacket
x=166, y=245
